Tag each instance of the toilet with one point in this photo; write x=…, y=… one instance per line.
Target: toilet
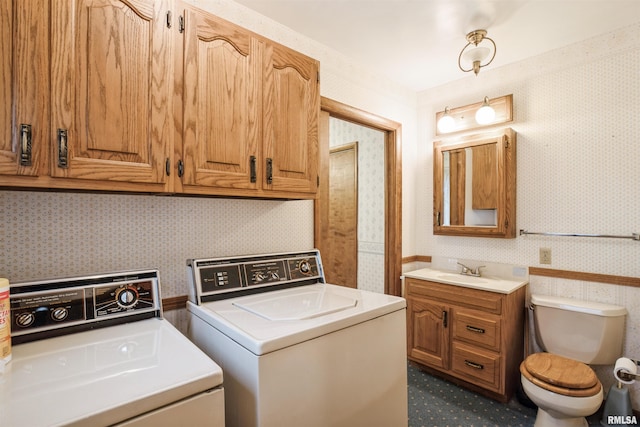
x=572, y=333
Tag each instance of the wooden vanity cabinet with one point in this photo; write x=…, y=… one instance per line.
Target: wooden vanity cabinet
x=472, y=337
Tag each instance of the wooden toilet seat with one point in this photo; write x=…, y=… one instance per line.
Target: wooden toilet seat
x=560, y=375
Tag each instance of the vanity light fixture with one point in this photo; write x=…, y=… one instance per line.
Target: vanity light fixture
x=488, y=112
x=477, y=54
x=446, y=123
x=485, y=114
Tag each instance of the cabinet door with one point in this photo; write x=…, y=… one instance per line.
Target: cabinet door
x=221, y=100
x=24, y=91
x=111, y=83
x=291, y=106
x=428, y=332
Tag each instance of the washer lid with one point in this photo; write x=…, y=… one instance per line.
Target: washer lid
x=103, y=376
x=305, y=304
x=262, y=324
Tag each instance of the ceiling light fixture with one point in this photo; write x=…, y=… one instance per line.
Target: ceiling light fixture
x=478, y=53
x=446, y=123
x=485, y=114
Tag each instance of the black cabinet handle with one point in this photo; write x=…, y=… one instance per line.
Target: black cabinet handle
x=252, y=166
x=25, y=145
x=269, y=170
x=63, y=149
x=180, y=168
x=474, y=329
x=473, y=364
x=444, y=318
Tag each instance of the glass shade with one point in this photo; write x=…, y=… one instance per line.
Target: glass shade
x=446, y=124
x=485, y=114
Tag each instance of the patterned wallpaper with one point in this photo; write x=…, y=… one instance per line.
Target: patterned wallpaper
x=370, y=198
x=47, y=234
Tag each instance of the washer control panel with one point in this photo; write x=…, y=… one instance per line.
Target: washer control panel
x=45, y=308
x=210, y=277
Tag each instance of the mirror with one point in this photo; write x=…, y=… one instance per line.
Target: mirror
x=474, y=185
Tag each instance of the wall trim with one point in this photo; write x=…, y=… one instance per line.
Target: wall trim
x=174, y=303
x=586, y=277
x=415, y=258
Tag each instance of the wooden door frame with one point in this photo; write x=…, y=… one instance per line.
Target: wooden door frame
x=392, y=176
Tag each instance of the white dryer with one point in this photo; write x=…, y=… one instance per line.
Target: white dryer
x=95, y=351
x=297, y=351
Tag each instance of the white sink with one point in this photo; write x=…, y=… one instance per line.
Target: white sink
x=487, y=283
x=461, y=278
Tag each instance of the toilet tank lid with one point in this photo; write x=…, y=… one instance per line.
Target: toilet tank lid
x=590, y=307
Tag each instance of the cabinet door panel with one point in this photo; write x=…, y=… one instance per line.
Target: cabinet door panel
x=24, y=91
x=428, y=333
x=221, y=103
x=291, y=108
x=111, y=86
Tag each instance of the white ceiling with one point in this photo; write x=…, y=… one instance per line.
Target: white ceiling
x=417, y=42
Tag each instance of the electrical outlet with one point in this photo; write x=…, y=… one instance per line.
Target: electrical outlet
x=545, y=255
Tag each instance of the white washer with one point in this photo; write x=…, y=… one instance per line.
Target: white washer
x=296, y=351
x=95, y=351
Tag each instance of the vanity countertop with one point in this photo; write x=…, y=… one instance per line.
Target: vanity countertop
x=486, y=283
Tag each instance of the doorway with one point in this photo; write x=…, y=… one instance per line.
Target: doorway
x=392, y=193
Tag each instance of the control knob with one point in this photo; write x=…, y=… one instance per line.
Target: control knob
x=25, y=319
x=127, y=297
x=59, y=314
x=259, y=277
x=304, y=267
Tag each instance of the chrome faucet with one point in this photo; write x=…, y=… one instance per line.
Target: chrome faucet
x=468, y=271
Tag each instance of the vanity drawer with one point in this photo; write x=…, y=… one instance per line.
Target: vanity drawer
x=458, y=295
x=476, y=366
x=477, y=328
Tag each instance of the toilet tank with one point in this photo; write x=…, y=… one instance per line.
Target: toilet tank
x=587, y=331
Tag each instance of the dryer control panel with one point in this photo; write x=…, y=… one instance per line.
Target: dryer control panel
x=55, y=307
x=218, y=278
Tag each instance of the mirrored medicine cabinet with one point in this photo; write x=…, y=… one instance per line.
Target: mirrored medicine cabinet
x=474, y=185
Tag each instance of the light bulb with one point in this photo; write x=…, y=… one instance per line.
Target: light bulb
x=485, y=114
x=446, y=123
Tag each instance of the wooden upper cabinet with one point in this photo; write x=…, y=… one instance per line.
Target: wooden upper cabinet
x=221, y=104
x=291, y=106
x=111, y=86
x=134, y=95
x=24, y=91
